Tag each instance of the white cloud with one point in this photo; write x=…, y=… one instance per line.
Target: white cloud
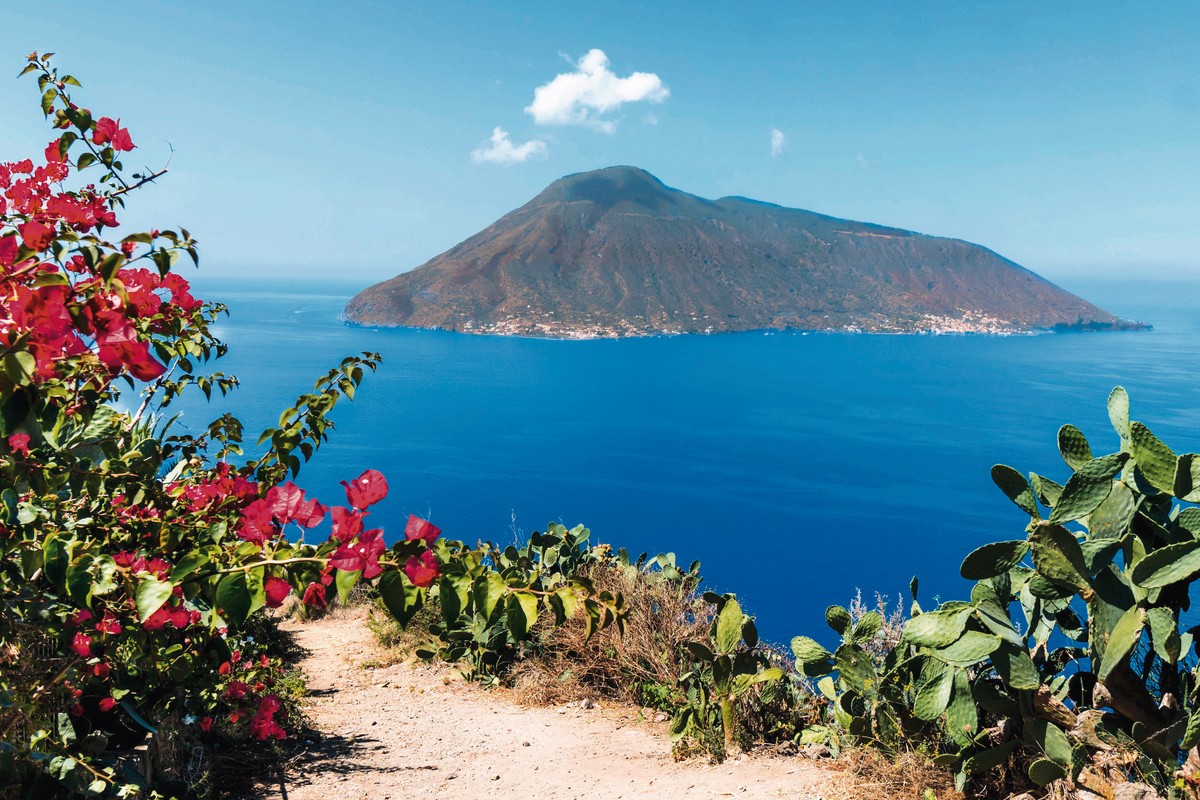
x=777, y=142
x=501, y=150
x=582, y=97
x=862, y=162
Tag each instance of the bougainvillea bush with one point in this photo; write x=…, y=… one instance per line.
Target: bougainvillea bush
x=132, y=556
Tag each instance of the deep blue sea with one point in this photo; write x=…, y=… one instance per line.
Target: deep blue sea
x=797, y=468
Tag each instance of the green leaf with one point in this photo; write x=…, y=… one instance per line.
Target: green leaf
x=1156, y=461
x=66, y=731
x=564, y=602
x=700, y=652
x=768, y=675
x=1016, y=487
x=857, y=670
x=1044, y=771
x=970, y=649
x=19, y=367
x=990, y=759
x=1123, y=639
x=1058, y=557
x=962, y=715
x=190, y=562
x=934, y=695
x=1187, y=478
x=937, y=628
x=749, y=632
x=1047, y=490
x=1118, y=411
x=1164, y=633
x=344, y=581
x=1112, y=518
x=868, y=625
x=1189, y=520
x=401, y=598
x=8, y=507
x=1191, y=736
x=729, y=626
x=454, y=593
x=838, y=618
x=151, y=594
x=1015, y=667
x=1087, y=488
x=233, y=597
x=489, y=590
x=1050, y=739
x=522, y=613
x=1167, y=565
x=993, y=559
x=56, y=557
x=808, y=651
x=258, y=594
x=1073, y=446
x=79, y=579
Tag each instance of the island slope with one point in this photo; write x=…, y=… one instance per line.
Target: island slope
x=615, y=252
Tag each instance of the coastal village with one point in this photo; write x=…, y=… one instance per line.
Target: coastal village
x=548, y=327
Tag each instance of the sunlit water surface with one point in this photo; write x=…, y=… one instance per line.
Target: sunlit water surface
x=797, y=468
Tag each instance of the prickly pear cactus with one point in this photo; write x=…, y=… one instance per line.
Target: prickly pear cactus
x=1072, y=643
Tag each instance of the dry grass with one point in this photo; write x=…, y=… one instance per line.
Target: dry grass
x=641, y=666
x=881, y=776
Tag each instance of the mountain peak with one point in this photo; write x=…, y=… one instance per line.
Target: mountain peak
x=616, y=252
x=607, y=187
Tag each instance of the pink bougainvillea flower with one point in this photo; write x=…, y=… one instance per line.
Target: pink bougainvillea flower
x=19, y=443
x=283, y=501
x=109, y=624
x=8, y=249
x=287, y=504
x=36, y=235
x=277, y=590
x=206, y=724
x=81, y=645
x=158, y=620
x=224, y=668
x=236, y=691
x=257, y=522
x=100, y=670
x=366, y=490
x=418, y=528
x=314, y=595
x=53, y=154
x=263, y=725
x=309, y=514
x=179, y=616
x=109, y=131
x=347, y=523
x=107, y=704
x=361, y=554
x=422, y=570
x=79, y=617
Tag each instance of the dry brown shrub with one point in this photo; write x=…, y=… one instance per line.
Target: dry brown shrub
x=562, y=664
x=867, y=772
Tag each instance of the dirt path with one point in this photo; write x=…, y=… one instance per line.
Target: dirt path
x=418, y=732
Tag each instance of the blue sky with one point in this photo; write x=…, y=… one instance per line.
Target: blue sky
x=319, y=139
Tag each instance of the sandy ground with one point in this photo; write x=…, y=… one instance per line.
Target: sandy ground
x=406, y=731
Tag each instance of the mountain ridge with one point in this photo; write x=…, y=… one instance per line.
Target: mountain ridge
x=616, y=252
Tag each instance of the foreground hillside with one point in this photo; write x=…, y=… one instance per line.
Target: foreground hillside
x=615, y=252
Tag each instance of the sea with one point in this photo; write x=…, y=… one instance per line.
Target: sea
x=799, y=469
